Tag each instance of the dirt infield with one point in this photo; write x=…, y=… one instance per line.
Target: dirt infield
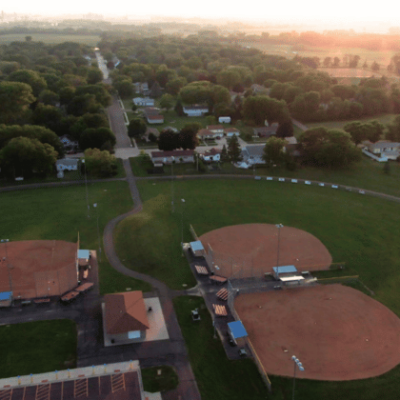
x=38, y=268
x=338, y=333
x=252, y=249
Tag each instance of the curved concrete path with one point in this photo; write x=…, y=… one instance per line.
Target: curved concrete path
x=187, y=388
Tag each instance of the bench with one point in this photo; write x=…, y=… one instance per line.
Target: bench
x=223, y=294
x=220, y=311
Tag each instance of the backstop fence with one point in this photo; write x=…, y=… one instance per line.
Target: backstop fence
x=232, y=293
x=193, y=232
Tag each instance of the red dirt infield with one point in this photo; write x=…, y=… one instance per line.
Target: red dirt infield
x=337, y=332
x=38, y=268
x=252, y=249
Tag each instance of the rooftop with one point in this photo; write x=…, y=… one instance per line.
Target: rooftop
x=237, y=329
x=173, y=153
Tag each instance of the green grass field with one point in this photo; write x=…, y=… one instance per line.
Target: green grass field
x=36, y=347
x=50, y=38
x=216, y=376
x=159, y=379
x=60, y=213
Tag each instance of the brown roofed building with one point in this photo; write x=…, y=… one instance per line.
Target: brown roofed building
x=125, y=316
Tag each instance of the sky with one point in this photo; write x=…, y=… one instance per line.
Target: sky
x=340, y=12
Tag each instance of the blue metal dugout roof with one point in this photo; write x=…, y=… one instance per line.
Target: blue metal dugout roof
x=237, y=329
x=5, y=296
x=84, y=254
x=197, y=245
x=285, y=269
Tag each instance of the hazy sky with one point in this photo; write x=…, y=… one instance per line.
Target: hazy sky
x=341, y=12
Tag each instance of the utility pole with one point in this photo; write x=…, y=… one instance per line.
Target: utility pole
x=98, y=230
x=87, y=193
x=5, y=260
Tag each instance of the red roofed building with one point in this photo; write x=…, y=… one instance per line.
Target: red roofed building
x=125, y=316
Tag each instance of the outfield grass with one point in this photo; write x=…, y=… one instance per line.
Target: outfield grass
x=36, y=347
x=216, y=376
x=61, y=213
x=362, y=231
x=50, y=38
x=154, y=382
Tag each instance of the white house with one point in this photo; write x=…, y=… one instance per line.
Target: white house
x=211, y=155
x=143, y=101
x=141, y=87
x=67, y=164
x=390, y=150
x=218, y=129
x=206, y=134
x=224, y=120
x=229, y=132
x=68, y=142
x=155, y=119
x=177, y=156
x=252, y=155
x=195, y=110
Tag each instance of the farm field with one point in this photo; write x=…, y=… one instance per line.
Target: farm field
x=36, y=347
x=60, y=213
x=348, y=224
x=50, y=38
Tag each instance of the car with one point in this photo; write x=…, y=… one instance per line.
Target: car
x=281, y=179
x=307, y=182
x=361, y=192
x=270, y=178
x=195, y=315
x=242, y=352
x=335, y=187
x=321, y=184
x=294, y=180
x=257, y=178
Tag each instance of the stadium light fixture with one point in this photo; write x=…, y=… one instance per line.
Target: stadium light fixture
x=299, y=365
x=183, y=202
x=279, y=226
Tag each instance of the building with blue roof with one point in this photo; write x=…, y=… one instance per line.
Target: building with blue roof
x=197, y=248
x=237, y=330
x=6, y=299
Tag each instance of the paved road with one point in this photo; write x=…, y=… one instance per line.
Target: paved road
x=117, y=124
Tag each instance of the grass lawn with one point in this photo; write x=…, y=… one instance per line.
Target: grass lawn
x=153, y=381
x=36, y=347
x=216, y=376
x=359, y=230
x=50, y=38
x=60, y=213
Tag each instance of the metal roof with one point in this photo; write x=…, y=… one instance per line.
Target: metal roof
x=196, y=245
x=237, y=329
x=84, y=254
x=285, y=269
x=5, y=296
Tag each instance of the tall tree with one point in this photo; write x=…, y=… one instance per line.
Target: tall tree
x=168, y=140
x=137, y=127
x=100, y=162
x=273, y=151
x=167, y=101
x=15, y=98
x=234, y=150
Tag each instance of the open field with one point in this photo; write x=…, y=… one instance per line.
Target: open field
x=50, y=38
x=338, y=333
x=153, y=382
x=36, y=347
x=359, y=230
x=60, y=213
x=216, y=376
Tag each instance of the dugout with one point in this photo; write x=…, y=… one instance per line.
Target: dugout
x=6, y=299
x=197, y=248
x=237, y=331
x=286, y=273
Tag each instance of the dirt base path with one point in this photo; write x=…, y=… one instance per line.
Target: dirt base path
x=337, y=332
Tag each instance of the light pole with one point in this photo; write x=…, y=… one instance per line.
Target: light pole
x=298, y=364
x=87, y=193
x=183, y=202
x=98, y=230
x=5, y=259
x=172, y=182
x=279, y=226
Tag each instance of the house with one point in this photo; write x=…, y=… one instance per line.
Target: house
x=229, y=132
x=69, y=143
x=67, y=164
x=292, y=146
x=143, y=101
x=266, y=131
x=195, y=110
x=259, y=89
x=224, y=120
x=177, y=156
x=390, y=150
x=218, y=129
x=151, y=111
x=211, y=155
x=204, y=134
x=155, y=119
x=150, y=130
x=252, y=155
x=125, y=317
x=142, y=88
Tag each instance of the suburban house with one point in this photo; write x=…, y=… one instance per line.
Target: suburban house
x=217, y=129
x=155, y=119
x=125, y=317
x=211, y=155
x=143, y=101
x=390, y=150
x=266, y=131
x=69, y=143
x=151, y=111
x=252, y=155
x=150, y=130
x=67, y=164
x=258, y=89
x=292, y=146
x=142, y=88
x=224, y=120
x=195, y=110
x=229, y=132
x=203, y=134
x=177, y=156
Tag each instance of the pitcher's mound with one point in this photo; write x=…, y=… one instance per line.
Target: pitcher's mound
x=252, y=249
